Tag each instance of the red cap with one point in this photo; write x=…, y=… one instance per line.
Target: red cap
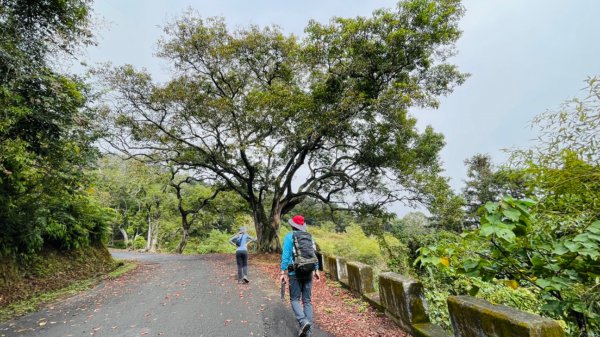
x=297, y=221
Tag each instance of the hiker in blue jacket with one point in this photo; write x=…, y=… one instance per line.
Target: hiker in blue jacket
x=241, y=240
x=300, y=281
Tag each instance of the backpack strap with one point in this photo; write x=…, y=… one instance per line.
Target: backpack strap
x=294, y=246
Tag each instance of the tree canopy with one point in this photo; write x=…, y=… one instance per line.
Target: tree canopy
x=278, y=118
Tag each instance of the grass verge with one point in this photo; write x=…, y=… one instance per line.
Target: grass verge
x=32, y=304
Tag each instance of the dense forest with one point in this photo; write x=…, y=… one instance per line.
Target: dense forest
x=255, y=125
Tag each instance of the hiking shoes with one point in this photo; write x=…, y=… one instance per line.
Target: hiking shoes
x=304, y=329
x=245, y=279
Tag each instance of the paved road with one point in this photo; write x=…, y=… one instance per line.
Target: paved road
x=167, y=295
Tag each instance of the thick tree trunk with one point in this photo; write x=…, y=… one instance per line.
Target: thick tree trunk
x=267, y=231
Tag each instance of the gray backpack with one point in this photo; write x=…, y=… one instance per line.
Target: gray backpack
x=305, y=256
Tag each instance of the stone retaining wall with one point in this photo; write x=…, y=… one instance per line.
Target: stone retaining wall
x=331, y=266
x=473, y=317
x=403, y=300
x=360, y=277
x=342, y=271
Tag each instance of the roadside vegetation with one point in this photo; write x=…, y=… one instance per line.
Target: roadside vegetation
x=55, y=275
x=255, y=125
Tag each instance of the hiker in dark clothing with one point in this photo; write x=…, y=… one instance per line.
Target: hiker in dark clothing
x=241, y=240
x=299, y=260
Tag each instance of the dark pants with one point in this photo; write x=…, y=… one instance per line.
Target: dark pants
x=241, y=257
x=301, y=288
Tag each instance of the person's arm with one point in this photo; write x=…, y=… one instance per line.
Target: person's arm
x=282, y=276
x=249, y=241
x=286, y=256
x=231, y=241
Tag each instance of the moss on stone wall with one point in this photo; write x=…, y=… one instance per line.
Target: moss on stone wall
x=403, y=298
x=474, y=317
x=428, y=330
x=360, y=277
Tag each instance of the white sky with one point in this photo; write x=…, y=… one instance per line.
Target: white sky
x=524, y=56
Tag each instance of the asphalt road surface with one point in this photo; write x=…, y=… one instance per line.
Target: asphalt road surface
x=168, y=295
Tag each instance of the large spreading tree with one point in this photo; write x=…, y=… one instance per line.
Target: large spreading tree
x=279, y=118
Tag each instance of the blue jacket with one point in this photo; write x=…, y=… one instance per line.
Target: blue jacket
x=245, y=238
x=287, y=254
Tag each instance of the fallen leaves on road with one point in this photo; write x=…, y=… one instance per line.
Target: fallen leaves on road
x=337, y=310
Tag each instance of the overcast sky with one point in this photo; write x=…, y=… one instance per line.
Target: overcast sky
x=524, y=56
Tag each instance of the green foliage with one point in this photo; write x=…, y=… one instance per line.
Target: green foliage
x=571, y=191
x=551, y=247
x=216, y=242
x=46, y=141
x=445, y=206
x=356, y=246
x=439, y=266
x=251, y=108
x=33, y=276
x=33, y=29
x=488, y=183
x=61, y=276
x=353, y=245
x=413, y=232
x=419, y=245
x=137, y=192
x=572, y=128
x=563, y=167
x=123, y=268
x=318, y=213
x=139, y=243
x=119, y=244
x=441, y=283
x=561, y=260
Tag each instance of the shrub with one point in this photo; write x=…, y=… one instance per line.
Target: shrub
x=357, y=246
x=139, y=243
x=119, y=244
x=216, y=242
x=353, y=245
x=441, y=284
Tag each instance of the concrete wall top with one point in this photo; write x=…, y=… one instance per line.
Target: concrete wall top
x=474, y=317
